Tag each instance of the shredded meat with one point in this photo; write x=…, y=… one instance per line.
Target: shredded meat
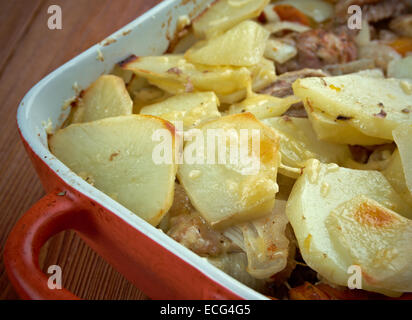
x=319, y=47
x=195, y=234
x=373, y=10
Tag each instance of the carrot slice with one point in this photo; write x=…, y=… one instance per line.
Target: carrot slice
x=402, y=45
x=287, y=12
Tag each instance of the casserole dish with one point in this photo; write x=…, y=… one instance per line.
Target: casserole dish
x=151, y=260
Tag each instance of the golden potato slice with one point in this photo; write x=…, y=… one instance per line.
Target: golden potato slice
x=115, y=155
x=376, y=239
x=403, y=136
x=190, y=108
x=106, y=97
x=373, y=106
x=226, y=188
x=264, y=106
x=321, y=189
x=224, y=14
x=262, y=75
x=175, y=75
x=298, y=143
x=241, y=46
x=337, y=130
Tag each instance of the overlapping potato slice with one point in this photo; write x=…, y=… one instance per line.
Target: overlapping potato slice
x=190, y=108
x=115, y=155
x=372, y=106
x=106, y=97
x=394, y=172
x=264, y=106
x=403, y=136
x=338, y=130
x=174, y=74
x=367, y=234
x=235, y=183
x=262, y=75
x=298, y=143
x=321, y=189
x=224, y=14
x=242, y=46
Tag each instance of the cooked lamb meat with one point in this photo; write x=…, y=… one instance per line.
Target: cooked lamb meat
x=282, y=87
x=402, y=25
x=195, y=234
x=373, y=10
x=318, y=47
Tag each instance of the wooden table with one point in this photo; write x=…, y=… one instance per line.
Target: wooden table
x=29, y=51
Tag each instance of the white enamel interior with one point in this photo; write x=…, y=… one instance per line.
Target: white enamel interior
x=45, y=100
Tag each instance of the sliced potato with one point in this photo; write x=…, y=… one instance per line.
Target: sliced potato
x=371, y=105
x=337, y=130
x=147, y=96
x=378, y=240
x=264, y=106
x=262, y=74
x=403, y=136
x=115, y=155
x=298, y=143
x=174, y=74
x=224, y=14
x=228, y=190
x=320, y=190
x=190, y=108
x=279, y=51
x=241, y=46
x=394, y=172
x=136, y=84
x=106, y=97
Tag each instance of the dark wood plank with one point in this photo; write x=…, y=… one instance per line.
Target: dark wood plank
x=34, y=52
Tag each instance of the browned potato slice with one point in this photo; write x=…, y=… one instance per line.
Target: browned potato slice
x=227, y=193
x=115, y=155
x=326, y=189
x=377, y=239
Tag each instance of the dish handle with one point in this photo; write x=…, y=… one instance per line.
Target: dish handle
x=55, y=212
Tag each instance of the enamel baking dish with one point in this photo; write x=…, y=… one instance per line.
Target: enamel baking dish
x=155, y=263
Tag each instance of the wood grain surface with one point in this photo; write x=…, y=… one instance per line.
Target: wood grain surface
x=29, y=51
